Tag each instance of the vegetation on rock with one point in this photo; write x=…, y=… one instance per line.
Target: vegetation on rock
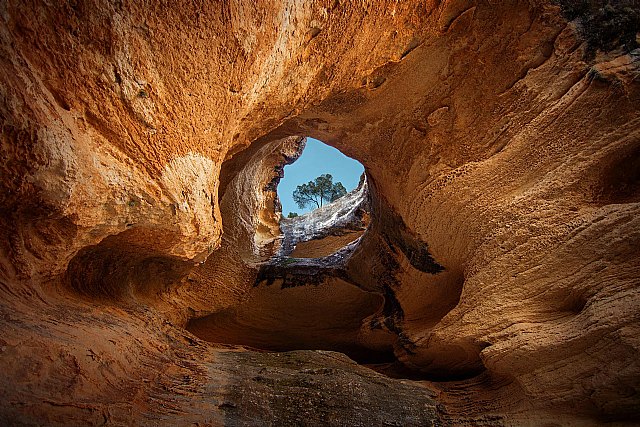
x=318, y=191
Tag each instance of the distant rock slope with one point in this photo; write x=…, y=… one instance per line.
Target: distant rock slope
x=347, y=216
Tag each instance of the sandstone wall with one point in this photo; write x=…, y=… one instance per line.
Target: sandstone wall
x=501, y=146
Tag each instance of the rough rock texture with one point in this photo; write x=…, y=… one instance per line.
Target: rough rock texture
x=308, y=302
x=344, y=220
x=139, y=146
x=325, y=388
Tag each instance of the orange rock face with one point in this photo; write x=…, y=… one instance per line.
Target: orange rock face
x=141, y=146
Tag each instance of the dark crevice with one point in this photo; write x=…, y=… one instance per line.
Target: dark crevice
x=293, y=272
x=399, y=237
x=619, y=180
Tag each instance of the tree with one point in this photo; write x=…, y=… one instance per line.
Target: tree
x=292, y=214
x=318, y=191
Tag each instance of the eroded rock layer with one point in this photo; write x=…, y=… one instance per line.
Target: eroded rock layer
x=141, y=146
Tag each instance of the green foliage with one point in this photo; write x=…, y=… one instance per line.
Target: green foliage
x=318, y=191
x=605, y=24
x=292, y=214
x=287, y=261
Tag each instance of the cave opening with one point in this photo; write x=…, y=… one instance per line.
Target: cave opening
x=317, y=159
x=303, y=296
x=326, y=197
x=324, y=280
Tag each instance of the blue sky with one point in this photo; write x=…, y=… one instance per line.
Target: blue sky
x=317, y=159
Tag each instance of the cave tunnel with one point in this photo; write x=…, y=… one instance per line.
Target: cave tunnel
x=303, y=297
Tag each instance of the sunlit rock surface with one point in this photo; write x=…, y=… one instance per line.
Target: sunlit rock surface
x=499, y=271
x=323, y=231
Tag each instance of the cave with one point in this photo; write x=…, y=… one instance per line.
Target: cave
x=483, y=271
x=302, y=296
